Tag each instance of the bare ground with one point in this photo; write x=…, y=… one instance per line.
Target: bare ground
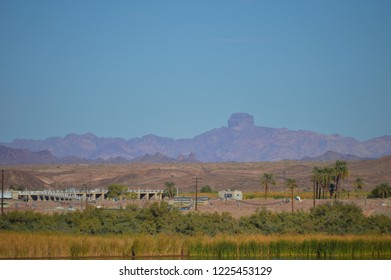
x=242, y=176
x=248, y=207
x=219, y=176
x=237, y=209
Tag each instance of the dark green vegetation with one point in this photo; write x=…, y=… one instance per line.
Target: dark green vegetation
x=116, y=191
x=383, y=190
x=206, y=189
x=297, y=246
x=333, y=230
x=169, y=189
x=328, y=179
x=333, y=218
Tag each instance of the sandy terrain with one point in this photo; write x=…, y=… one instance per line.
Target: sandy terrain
x=248, y=207
x=235, y=208
x=241, y=176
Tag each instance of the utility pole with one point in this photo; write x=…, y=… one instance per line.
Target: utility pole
x=2, y=192
x=196, y=192
x=284, y=184
x=314, y=193
x=292, y=198
x=87, y=191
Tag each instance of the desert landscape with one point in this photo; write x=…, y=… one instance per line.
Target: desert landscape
x=219, y=176
x=242, y=176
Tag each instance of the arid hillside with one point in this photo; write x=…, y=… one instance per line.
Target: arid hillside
x=241, y=176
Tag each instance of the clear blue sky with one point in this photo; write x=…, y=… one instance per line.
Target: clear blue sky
x=180, y=68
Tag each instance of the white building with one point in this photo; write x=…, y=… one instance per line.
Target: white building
x=228, y=194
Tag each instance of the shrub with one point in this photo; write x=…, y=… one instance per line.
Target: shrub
x=338, y=218
x=381, y=191
x=333, y=218
x=206, y=189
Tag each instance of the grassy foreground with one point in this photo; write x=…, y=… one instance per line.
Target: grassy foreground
x=22, y=245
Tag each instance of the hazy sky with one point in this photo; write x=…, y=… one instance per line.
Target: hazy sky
x=179, y=68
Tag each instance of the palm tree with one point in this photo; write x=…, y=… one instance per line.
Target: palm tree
x=359, y=184
x=326, y=175
x=291, y=184
x=383, y=190
x=169, y=189
x=266, y=180
x=316, y=179
x=341, y=172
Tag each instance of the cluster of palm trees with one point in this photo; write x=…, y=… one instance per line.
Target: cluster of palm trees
x=325, y=180
x=328, y=179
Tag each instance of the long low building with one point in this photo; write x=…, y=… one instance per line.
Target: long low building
x=67, y=195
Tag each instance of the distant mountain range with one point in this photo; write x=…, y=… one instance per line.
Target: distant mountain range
x=240, y=141
x=11, y=156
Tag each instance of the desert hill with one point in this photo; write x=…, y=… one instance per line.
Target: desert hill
x=333, y=156
x=241, y=176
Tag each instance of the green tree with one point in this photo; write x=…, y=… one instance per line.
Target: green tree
x=133, y=196
x=116, y=191
x=341, y=172
x=169, y=190
x=316, y=179
x=338, y=218
x=267, y=180
x=206, y=189
x=292, y=185
x=359, y=184
x=326, y=176
x=382, y=190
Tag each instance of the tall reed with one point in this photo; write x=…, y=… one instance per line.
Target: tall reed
x=305, y=246
x=19, y=245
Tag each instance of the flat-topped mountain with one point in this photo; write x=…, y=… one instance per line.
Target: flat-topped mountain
x=241, y=140
x=240, y=121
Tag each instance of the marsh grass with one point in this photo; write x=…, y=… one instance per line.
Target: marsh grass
x=305, y=246
x=15, y=245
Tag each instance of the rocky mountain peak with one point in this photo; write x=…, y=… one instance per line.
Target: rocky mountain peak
x=241, y=120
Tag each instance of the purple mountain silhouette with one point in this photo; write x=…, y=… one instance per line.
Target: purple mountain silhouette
x=241, y=140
